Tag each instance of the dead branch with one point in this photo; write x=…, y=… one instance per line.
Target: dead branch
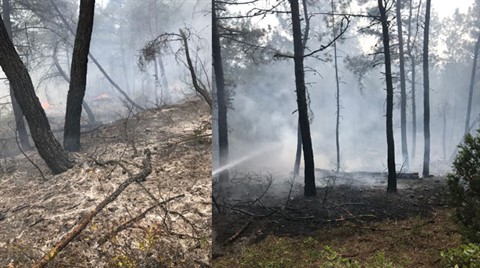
x=130, y=222
x=80, y=226
x=240, y=231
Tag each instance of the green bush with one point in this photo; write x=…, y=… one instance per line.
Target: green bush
x=464, y=256
x=464, y=188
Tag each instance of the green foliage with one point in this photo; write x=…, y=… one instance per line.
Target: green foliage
x=464, y=188
x=467, y=256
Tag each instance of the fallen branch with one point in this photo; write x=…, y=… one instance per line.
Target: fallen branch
x=240, y=231
x=80, y=226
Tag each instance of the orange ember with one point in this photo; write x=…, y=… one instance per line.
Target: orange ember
x=45, y=105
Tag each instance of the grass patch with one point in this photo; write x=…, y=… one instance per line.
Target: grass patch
x=414, y=242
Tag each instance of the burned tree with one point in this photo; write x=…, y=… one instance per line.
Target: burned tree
x=426, y=95
x=392, y=179
x=219, y=84
x=309, y=188
x=78, y=76
x=472, y=83
x=48, y=147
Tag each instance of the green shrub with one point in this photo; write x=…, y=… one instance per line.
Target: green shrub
x=464, y=188
x=464, y=256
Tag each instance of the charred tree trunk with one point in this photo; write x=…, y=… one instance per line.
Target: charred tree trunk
x=298, y=152
x=78, y=76
x=426, y=95
x=309, y=189
x=63, y=74
x=472, y=84
x=17, y=111
x=48, y=147
x=392, y=179
x=221, y=97
x=403, y=93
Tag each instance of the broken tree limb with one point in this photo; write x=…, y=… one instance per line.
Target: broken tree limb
x=85, y=220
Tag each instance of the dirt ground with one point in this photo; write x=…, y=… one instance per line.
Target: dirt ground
x=36, y=211
x=254, y=212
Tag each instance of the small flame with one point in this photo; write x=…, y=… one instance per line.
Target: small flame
x=45, y=105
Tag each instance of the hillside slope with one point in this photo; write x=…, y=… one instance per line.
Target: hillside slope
x=36, y=212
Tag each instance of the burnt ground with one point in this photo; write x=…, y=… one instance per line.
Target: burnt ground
x=36, y=211
x=250, y=213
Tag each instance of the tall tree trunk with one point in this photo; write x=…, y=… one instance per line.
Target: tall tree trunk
x=63, y=74
x=337, y=95
x=392, y=179
x=309, y=189
x=17, y=111
x=298, y=152
x=426, y=95
x=78, y=76
x=48, y=147
x=472, y=84
x=403, y=93
x=221, y=97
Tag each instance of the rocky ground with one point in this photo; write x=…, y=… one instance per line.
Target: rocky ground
x=165, y=221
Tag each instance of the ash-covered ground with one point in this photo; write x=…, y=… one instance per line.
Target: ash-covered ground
x=36, y=212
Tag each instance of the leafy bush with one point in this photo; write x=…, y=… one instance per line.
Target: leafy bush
x=464, y=188
x=463, y=256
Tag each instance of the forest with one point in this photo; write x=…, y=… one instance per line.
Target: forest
x=105, y=133
x=345, y=133
x=239, y=133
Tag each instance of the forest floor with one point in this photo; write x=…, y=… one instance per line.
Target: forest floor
x=344, y=225
x=171, y=208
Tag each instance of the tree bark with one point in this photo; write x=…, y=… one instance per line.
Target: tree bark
x=472, y=84
x=17, y=111
x=309, y=188
x=403, y=94
x=426, y=95
x=48, y=147
x=63, y=74
x=392, y=179
x=78, y=76
x=221, y=97
x=298, y=152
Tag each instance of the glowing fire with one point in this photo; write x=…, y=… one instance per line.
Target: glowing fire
x=102, y=97
x=45, y=105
